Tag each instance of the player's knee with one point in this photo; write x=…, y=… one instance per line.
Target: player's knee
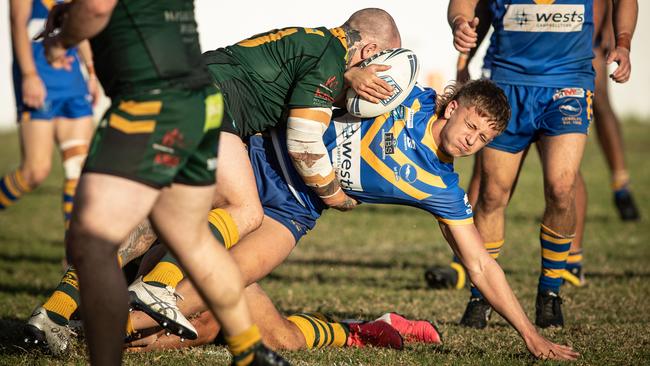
x=493, y=197
x=74, y=154
x=560, y=196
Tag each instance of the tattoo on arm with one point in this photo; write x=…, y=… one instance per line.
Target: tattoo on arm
x=137, y=243
x=328, y=189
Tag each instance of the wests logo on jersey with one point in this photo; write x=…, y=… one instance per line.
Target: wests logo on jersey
x=544, y=18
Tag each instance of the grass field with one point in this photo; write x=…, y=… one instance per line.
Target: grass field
x=362, y=264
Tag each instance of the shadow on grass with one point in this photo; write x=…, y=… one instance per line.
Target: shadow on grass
x=32, y=258
x=23, y=289
x=11, y=337
x=353, y=263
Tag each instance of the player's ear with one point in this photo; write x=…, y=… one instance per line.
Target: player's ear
x=451, y=108
x=368, y=50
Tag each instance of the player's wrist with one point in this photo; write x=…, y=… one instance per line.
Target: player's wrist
x=457, y=20
x=624, y=40
x=334, y=199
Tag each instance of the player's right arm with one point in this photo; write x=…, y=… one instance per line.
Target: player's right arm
x=625, y=14
x=463, y=22
x=489, y=278
x=464, y=58
x=305, y=128
x=34, y=92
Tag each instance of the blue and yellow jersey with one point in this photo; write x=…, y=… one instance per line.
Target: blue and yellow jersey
x=58, y=82
x=394, y=159
x=543, y=42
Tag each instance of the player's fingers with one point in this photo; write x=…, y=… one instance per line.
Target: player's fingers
x=382, y=86
x=474, y=22
x=611, y=57
x=377, y=68
x=368, y=97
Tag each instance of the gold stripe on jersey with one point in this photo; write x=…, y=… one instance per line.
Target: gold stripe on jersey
x=380, y=167
x=267, y=38
x=401, y=158
x=467, y=221
x=131, y=127
x=430, y=142
x=141, y=108
x=314, y=31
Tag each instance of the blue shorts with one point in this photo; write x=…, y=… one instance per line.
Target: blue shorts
x=543, y=111
x=284, y=196
x=70, y=107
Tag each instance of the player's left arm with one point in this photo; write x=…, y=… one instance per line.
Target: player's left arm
x=83, y=19
x=305, y=128
x=86, y=54
x=624, y=15
x=489, y=278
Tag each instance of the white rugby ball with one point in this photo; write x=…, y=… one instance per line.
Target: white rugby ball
x=401, y=76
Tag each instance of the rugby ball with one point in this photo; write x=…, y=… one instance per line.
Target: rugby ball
x=401, y=76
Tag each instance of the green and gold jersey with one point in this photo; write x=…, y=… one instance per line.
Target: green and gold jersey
x=150, y=44
x=262, y=76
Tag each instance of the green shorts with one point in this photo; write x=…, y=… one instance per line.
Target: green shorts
x=160, y=138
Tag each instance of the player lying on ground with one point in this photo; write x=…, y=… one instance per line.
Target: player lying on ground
x=409, y=164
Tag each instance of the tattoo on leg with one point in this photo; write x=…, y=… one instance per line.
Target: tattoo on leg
x=137, y=243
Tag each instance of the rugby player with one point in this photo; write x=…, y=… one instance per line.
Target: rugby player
x=549, y=88
x=404, y=157
x=153, y=155
x=53, y=106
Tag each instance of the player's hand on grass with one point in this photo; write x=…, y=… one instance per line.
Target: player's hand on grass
x=34, y=91
x=367, y=84
x=544, y=349
x=621, y=56
x=465, y=36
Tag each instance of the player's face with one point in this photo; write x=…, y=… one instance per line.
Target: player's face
x=465, y=132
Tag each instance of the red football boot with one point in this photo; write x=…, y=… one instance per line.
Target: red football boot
x=413, y=330
x=374, y=333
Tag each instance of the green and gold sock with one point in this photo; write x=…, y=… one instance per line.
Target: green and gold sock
x=319, y=331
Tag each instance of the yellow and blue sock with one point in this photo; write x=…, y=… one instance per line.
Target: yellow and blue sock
x=494, y=249
x=12, y=187
x=319, y=331
x=555, y=251
x=65, y=299
x=69, y=188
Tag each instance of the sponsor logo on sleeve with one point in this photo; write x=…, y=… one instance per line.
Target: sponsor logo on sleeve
x=325, y=92
x=346, y=156
x=544, y=18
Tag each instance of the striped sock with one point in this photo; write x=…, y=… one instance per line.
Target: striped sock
x=69, y=188
x=167, y=272
x=462, y=276
x=575, y=259
x=65, y=299
x=12, y=187
x=223, y=227
x=241, y=346
x=319, y=331
x=555, y=250
x=494, y=249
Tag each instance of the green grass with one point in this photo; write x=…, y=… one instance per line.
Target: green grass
x=362, y=264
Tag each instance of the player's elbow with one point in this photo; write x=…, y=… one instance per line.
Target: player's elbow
x=101, y=8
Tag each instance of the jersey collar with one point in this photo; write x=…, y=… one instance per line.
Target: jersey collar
x=340, y=34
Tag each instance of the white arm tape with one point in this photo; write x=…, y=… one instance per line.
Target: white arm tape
x=305, y=136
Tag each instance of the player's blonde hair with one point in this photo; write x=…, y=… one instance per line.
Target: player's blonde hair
x=485, y=96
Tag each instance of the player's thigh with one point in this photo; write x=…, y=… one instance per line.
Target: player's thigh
x=236, y=188
x=37, y=144
x=110, y=207
x=561, y=156
x=263, y=250
x=181, y=212
x=499, y=170
x=67, y=129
